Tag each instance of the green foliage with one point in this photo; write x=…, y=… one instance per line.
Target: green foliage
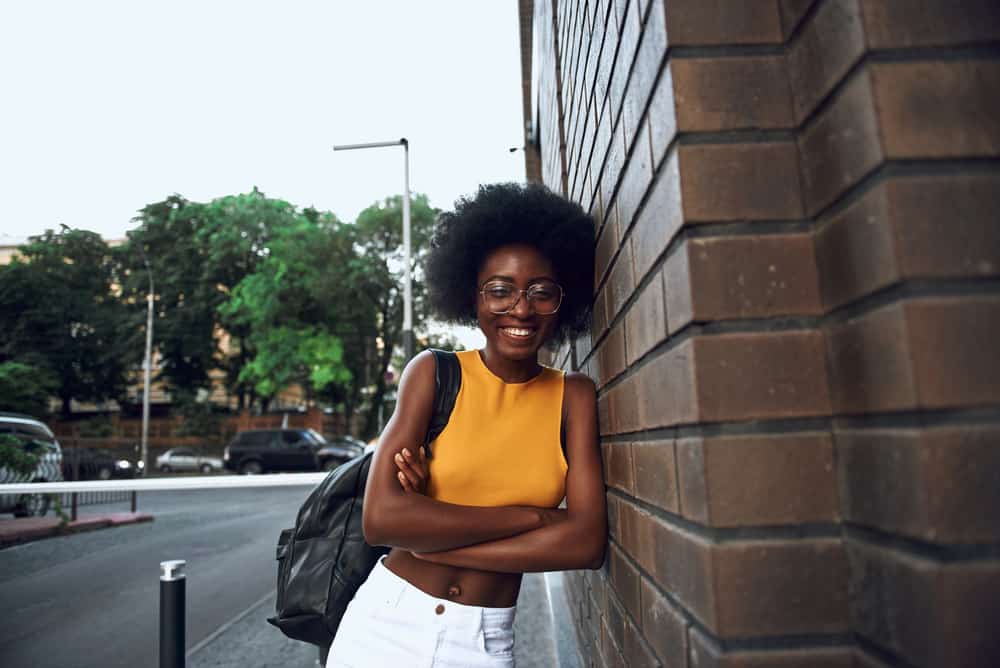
x=61, y=315
x=15, y=457
x=25, y=388
x=96, y=427
x=197, y=417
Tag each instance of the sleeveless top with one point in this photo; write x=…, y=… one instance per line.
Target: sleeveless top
x=502, y=444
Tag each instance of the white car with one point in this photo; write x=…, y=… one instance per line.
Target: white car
x=186, y=459
x=35, y=437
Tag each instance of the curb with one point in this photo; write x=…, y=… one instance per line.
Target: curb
x=18, y=531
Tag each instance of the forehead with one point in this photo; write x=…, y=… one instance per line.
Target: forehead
x=516, y=261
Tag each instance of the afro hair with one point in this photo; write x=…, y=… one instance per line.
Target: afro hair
x=503, y=214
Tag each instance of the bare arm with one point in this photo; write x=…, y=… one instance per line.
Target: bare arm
x=579, y=539
x=415, y=522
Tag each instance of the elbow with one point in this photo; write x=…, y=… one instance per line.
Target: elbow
x=595, y=556
x=373, y=526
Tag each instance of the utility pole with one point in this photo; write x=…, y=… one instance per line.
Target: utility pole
x=408, y=340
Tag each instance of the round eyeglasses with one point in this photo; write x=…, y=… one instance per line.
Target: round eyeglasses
x=501, y=297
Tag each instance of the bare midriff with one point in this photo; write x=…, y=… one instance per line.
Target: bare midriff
x=462, y=585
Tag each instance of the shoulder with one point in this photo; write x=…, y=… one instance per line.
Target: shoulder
x=419, y=373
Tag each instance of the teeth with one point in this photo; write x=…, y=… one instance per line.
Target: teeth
x=518, y=332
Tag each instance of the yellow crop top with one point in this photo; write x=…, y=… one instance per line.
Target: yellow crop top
x=502, y=445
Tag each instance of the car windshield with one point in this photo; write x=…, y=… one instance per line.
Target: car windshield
x=315, y=436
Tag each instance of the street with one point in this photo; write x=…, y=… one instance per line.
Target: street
x=92, y=599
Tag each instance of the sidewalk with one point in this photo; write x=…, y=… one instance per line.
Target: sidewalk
x=23, y=529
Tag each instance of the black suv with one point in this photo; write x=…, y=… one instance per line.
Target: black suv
x=265, y=450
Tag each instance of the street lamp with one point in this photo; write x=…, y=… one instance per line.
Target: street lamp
x=407, y=287
x=147, y=364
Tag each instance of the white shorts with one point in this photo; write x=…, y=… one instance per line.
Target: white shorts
x=392, y=623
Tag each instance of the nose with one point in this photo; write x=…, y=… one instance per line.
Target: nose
x=522, y=307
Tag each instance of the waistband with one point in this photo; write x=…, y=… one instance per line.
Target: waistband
x=385, y=588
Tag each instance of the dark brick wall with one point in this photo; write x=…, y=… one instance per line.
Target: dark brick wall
x=796, y=326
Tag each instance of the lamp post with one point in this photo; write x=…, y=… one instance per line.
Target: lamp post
x=147, y=365
x=407, y=284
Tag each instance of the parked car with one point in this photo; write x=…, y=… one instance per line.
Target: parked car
x=338, y=450
x=94, y=464
x=34, y=437
x=267, y=450
x=186, y=459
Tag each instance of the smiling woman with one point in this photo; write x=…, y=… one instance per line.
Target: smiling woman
x=466, y=524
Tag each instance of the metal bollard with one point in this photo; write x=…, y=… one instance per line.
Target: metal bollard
x=172, y=621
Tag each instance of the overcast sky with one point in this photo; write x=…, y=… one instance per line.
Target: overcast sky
x=107, y=106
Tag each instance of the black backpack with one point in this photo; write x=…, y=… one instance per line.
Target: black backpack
x=324, y=559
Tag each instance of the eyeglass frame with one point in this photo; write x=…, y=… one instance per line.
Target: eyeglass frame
x=519, y=291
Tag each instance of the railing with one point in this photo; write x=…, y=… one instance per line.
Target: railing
x=172, y=581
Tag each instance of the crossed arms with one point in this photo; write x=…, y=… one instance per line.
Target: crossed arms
x=513, y=539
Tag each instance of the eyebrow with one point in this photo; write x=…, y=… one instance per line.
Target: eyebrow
x=509, y=279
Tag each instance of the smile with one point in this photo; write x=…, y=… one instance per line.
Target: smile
x=518, y=332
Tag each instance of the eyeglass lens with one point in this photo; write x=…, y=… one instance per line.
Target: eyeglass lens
x=544, y=296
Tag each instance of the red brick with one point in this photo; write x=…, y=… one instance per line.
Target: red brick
x=625, y=409
x=940, y=109
x=611, y=355
x=724, y=182
x=625, y=580
x=600, y=312
x=656, y=473
x=649, y=57
x=792, y=12
x=663, y=626
x=621, y=281
x=607, y=245
x=768, y=480
x=628, y=42
x=635, y=180
x=891, y=24
x=636, y=652
x=760, y=376
x=706, y=653
x=716, y=94
x=913, y=227
x=717, y=22
x=869, y=361
x=662, y=116
x=828, y=46
x=931, y=484
x=618, y=470
x=742, y=277
x=930, y=613
x=841, y=147
x=666, y=389
x=950, y=340
x=780, y=587
x=613, y=165
x=661, y=218
x=645, y=321
x=677, y=289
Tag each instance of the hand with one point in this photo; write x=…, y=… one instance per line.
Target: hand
x=414, y=472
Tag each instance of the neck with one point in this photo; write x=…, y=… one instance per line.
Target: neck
x=508, y=370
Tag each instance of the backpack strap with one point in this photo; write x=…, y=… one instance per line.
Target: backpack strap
x=447, y=381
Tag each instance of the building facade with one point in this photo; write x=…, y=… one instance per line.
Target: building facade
x=796, y=335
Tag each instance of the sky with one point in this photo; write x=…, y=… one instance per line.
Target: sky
x=107, y=106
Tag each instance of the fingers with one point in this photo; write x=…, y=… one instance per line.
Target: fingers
x=408, y=471
x=405, y=482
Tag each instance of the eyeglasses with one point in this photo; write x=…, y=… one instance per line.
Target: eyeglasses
x=501, y=297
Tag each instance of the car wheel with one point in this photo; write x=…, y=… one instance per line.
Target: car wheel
x=251, y=467
x=104, y=473
x=32, y=505
x=164, y=469
x=206, y=468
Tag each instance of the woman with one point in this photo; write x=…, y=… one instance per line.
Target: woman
x=468, y=519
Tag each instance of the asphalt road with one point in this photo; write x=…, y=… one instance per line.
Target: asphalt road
x=92, y=599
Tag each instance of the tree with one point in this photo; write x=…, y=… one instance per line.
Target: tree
x=25, y=388
x=380, y=236
x=61, y=315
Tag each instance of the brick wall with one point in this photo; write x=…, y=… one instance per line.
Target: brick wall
x=796, y=330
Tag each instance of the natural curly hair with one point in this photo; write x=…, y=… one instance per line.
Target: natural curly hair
x=508, y=213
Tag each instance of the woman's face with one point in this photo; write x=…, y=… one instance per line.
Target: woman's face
x=519, y=333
